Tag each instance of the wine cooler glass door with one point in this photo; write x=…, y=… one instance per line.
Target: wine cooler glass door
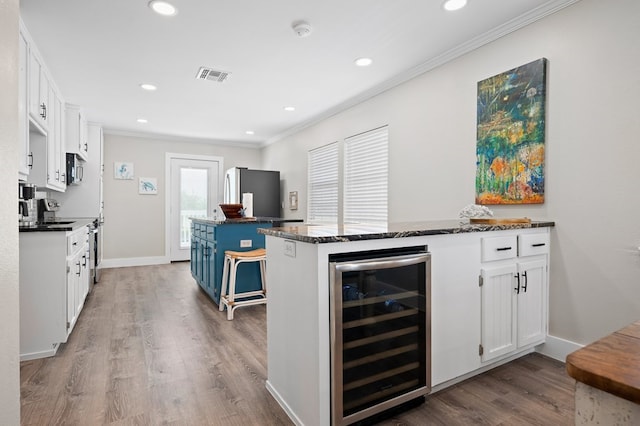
x=380, y=332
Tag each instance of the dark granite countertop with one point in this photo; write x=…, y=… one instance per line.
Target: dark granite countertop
x=59, y=224
x=215, y=221
x=318, y=234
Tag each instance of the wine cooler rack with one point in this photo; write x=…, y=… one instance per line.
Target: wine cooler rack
x=380, y=315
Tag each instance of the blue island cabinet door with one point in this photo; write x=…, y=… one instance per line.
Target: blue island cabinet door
x=209, y=262
x=194, y=249
x=235, y=236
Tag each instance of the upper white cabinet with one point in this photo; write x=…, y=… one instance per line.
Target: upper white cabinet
x=513, y=293
x=26, y=158
x=38, y=89
x=85, y=200
x=76, y=136
x=47, y=154
x=41, y=120
x=56, y=160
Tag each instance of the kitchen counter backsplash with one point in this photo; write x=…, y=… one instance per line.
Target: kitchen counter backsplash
x=318, y=234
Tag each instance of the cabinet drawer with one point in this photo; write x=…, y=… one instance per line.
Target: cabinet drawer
x=208, y=233
x=532, y=244
x=498, y=248
x=74, y=242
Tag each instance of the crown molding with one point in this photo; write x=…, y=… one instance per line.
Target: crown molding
x=509, y=27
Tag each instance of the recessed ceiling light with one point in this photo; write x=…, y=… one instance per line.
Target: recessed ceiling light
x=250, y=132
x=452, y=5
x=163, y=8
x=363, y=62
x=142, y=120
x=289, y=108
x=148, y=86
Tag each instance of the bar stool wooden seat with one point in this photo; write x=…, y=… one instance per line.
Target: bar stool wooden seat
x=229, y=299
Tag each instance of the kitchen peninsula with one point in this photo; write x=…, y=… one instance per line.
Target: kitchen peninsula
x=486, y=303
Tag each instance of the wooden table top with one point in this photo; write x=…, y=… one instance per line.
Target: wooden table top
x=611, y=364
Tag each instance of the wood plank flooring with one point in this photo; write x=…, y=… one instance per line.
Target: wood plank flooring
x=150, y=348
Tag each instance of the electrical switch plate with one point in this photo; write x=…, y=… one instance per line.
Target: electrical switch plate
x=290, y=248
x=245, y=243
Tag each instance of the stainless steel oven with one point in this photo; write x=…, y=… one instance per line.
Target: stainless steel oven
x=380, y=331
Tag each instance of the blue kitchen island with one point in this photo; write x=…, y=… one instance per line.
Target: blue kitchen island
x=210, y=238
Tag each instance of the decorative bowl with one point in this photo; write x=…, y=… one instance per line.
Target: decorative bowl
x=231, y=211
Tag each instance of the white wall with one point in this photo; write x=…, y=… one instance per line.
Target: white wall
x=9, y=300
x=592, y=154
x=135, y=224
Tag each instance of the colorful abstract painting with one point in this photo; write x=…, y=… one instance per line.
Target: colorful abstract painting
x=510, y=138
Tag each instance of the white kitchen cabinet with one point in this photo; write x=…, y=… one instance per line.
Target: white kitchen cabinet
x=85, y=199
x=54, y=282
x=38, y=88
x=23, y=101
x=76, y=137
x=48, y=156
x=56, y=160
x=41, y=120
x=513, y=294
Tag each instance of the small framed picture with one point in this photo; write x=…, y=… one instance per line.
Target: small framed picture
x=123, y=170
x=148, y=186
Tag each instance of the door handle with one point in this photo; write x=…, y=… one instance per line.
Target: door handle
x=517, y=289
x=524, y=287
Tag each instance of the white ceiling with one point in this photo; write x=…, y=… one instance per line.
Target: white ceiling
x=99, y=53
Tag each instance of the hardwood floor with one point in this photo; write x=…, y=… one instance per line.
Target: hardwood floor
x=150, y=348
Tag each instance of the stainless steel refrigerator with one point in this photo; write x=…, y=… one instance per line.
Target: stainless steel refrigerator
x=263, y=184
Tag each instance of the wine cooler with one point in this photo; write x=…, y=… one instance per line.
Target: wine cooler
x=380, y=331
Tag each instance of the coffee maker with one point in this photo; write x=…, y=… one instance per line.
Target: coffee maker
x=27, y=213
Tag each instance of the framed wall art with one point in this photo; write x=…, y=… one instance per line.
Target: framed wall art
x=511, y=136
x=147, y=186
x=122, y=170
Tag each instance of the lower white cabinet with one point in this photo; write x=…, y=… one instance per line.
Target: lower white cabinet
x=513, y=296
x=54, y=283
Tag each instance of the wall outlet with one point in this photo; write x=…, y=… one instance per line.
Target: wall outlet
x=245, y=243
x=290, y=248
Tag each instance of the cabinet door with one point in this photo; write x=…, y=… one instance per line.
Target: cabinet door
x=83, y=146
x=194, y=258
x=23, y=101
x=498, y=308
x=76, y=131
x=209, y=268
x=57, y=105
x=531, y=302
x=38, y=89
x=73, y=279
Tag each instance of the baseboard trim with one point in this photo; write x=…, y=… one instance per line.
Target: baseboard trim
x=283, y=404
x=40, y=354
x=134, y=261
x=558, y=348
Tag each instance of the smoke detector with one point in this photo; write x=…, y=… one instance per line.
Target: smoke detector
x=205, y=73
x=301, y=28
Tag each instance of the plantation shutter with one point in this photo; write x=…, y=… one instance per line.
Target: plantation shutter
x=323, y=184
x=366, y=171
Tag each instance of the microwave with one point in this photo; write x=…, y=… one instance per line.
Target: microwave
x=75, y=170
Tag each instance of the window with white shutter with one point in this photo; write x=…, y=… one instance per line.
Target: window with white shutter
x=322, y=206
x=366, y=173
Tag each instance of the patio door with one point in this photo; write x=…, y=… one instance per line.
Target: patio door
x=194, y=191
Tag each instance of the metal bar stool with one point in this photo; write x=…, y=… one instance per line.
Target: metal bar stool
x=231, y=261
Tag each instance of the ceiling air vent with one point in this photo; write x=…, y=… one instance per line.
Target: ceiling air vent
x=205, y=73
